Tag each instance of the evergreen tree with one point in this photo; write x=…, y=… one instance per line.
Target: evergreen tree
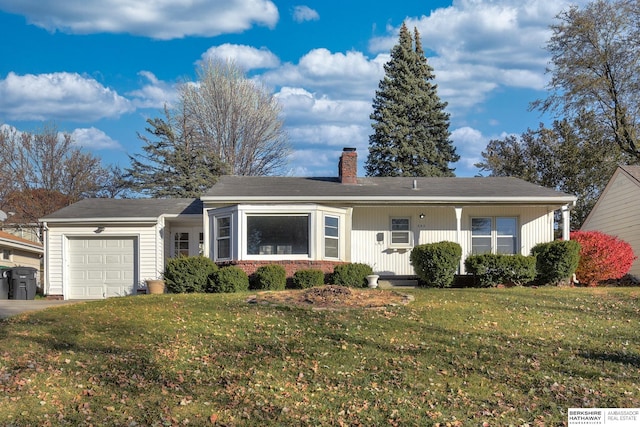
x=174, y=165
x=411, y=128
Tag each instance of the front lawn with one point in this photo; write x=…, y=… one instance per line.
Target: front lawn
x=518, y=356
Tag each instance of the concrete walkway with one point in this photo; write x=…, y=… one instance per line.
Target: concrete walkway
x=11, y=307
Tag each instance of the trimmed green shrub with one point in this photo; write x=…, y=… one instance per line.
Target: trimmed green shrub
x=556, y=261
x=353, y=275
x=271, y=277
x=229, y=279
x=436, y=263
x=499, y=269
x=304, y=279
x=188, y=274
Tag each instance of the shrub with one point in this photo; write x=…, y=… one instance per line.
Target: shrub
x=602, y=257
x=270, y=277
x=353, y=275
x=188, y=274
x=229, y=279
x=436, y=263
x=498, y=269
x=556, y=261
x=304, y=279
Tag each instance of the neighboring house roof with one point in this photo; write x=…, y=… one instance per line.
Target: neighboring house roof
x=9, y=240
x=238, y=189
x=125, y=209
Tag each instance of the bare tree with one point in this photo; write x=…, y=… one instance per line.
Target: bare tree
x=43, y=171
x=595, y=62
x=236, y=118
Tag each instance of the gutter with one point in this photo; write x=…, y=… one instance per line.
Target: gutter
x=398, y=199
x=95, y=220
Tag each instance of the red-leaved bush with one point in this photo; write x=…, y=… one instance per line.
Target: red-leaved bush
x=602, y=257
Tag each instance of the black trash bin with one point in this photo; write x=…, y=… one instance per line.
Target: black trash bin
x=22, y=283
x=4, y=283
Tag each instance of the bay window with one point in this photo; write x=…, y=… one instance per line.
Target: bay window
x=223, y=237
x=331, y=237
x=277, y=234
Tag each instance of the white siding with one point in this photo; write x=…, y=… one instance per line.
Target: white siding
x=439, y=224
x=616, y=213
x=149, y=259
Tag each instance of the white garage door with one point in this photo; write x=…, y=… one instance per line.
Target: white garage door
x=101, y=267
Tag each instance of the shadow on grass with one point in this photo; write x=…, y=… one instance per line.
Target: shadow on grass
x=631, y=359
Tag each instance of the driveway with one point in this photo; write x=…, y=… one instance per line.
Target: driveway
x=11, y=307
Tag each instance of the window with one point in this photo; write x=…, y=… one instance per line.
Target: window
x=223, y=237
x=201, y=244
x=180, y=244
x=400, y=232
x=331, y=237
x=278, y=234
x=494, y=235
x=6, y=254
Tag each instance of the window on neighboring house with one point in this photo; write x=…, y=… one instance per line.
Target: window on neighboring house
x=180, y=244
x=201, y=244
x=497, y=235
x=278, y=234
x=400, y=232
x=223, y=237
x=331, y=237
x=6, y=254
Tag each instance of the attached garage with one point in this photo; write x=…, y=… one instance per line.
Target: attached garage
x=101, y=248
x=101, y=267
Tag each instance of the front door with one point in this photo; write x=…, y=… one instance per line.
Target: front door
x=186, y=241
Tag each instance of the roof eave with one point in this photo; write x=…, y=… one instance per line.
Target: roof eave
x=21, y=245
x=92, y=220
x=397, y=199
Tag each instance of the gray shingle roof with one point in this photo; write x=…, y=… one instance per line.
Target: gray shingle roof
x=427, y=189
x=126, y=209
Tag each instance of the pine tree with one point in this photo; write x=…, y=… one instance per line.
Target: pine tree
x=173, y=165
x=411, y=128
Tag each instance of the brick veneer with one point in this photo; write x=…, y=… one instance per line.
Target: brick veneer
x=348, y=166
x=290, y=266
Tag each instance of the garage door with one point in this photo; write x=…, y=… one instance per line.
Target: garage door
x=101, y=267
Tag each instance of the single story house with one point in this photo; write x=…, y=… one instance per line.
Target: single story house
x=616, y=211
x=19, y=252
x=103, y=247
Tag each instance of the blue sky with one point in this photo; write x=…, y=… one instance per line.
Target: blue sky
x=99, y=68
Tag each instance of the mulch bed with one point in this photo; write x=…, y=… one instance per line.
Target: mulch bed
x=332, y=297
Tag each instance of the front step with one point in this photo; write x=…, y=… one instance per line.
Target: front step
x=397, y=283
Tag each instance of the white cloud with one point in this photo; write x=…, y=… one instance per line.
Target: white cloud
x=477, y=47
x=58, y=96
x=469, y=143
x=300, y=105
x=339, y=75
x=159, y=19
x=305, y=13
x=94, y=139
x=246, y=57
x=154, y=94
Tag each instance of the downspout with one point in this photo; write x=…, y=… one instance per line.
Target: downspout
x=45, y=282
x=566, y=222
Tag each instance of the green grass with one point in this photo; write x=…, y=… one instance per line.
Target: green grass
x=517, y=356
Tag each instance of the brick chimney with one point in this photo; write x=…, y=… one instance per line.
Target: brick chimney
x=348, y=166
